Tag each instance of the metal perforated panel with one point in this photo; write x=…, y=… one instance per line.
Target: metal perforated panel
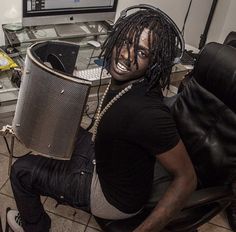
x=49, y=110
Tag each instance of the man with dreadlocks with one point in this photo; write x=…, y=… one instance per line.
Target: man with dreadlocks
x=133, y=128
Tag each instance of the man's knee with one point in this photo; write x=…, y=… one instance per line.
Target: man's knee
x=22, y=167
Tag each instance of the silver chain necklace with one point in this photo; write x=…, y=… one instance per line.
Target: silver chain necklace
x=100, y=113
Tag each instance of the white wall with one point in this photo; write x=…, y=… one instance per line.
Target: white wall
x=224, y=21
x=196, y=22
x=218, y=20
x=10, y=12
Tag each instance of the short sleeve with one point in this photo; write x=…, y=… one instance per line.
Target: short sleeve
x=154, y=129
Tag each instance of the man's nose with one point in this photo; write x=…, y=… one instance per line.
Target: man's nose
x=125, y=53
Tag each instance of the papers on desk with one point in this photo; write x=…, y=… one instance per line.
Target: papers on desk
x=181, y=68
x=191, y=48
x=189, y=56
x=44, y=32
x=6, y=62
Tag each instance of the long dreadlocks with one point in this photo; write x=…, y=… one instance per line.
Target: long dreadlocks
x=163, y=44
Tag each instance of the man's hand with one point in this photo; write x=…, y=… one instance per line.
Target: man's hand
x=178, y=163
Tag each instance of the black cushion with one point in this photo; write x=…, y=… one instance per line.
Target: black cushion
x=215, y=71
x=231, y=39
x=205, y=115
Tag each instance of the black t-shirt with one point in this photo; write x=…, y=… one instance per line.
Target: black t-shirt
x=135, y=129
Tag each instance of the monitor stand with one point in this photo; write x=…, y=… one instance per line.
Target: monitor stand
x=74, y=29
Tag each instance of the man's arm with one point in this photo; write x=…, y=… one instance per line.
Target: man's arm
x=178, y=163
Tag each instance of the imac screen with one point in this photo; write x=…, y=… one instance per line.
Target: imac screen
x=43, y=12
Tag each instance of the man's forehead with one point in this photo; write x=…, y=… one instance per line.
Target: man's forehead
x=144, y=36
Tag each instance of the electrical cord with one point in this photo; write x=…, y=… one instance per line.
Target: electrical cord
x=86, y=111
x=98, y=100
x=8, y=149
x=186, y=17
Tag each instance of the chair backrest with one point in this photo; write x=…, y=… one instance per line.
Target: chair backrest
x=205, y=113
x=231, y=39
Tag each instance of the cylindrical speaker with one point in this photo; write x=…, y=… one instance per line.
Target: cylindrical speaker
x=51, y=100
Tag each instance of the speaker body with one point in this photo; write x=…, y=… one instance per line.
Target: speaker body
x=51, y=102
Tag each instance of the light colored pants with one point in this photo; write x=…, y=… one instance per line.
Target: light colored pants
x=100, y=207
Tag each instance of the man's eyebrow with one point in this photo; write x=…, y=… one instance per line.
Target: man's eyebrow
x=143, y=47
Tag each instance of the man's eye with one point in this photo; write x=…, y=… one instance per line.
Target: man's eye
x=126, y=42
x=142, y=54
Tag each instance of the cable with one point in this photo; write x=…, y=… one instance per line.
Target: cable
x=7, y=145
x=86, y=111
x=186, y=17
x=8, y=149
x=98, y=101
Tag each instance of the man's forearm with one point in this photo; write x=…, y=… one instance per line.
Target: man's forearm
x=169, y=205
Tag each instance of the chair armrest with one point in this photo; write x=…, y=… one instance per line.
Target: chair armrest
x=202, y=206
x=209, y=195
x=194, y=214
x=170, y=101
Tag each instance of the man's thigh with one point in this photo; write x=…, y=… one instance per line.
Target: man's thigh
x=65, y=180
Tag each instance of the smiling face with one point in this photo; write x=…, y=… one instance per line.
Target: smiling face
x=126, y=70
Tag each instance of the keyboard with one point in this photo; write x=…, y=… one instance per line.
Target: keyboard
x=93, y=75
x=187, y=59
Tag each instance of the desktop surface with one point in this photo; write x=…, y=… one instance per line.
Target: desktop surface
x=74, y=32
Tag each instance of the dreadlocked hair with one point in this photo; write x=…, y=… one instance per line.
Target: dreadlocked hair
x=162, y=39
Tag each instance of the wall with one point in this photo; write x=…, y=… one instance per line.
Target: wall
x=218, y=20
x=224, y=21
x=10, y=12
x=196, y=22
x=230, y=21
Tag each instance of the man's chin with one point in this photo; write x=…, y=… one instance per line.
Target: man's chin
x=119, y=81
x=119, y=77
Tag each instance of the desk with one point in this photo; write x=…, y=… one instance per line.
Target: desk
x=8, y=94
x=191, y=48
x=71, y=32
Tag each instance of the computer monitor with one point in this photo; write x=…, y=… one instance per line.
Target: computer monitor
x=47, y=12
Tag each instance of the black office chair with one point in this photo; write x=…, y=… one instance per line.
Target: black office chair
x=231, y=39
x=0, y=225
x=205, y=114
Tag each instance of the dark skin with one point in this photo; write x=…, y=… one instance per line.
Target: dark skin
x=176, y=160
x=124, y=72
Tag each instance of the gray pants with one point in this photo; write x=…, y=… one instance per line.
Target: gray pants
x=100, y=207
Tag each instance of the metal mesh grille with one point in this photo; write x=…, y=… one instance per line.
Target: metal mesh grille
x=48, y=111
